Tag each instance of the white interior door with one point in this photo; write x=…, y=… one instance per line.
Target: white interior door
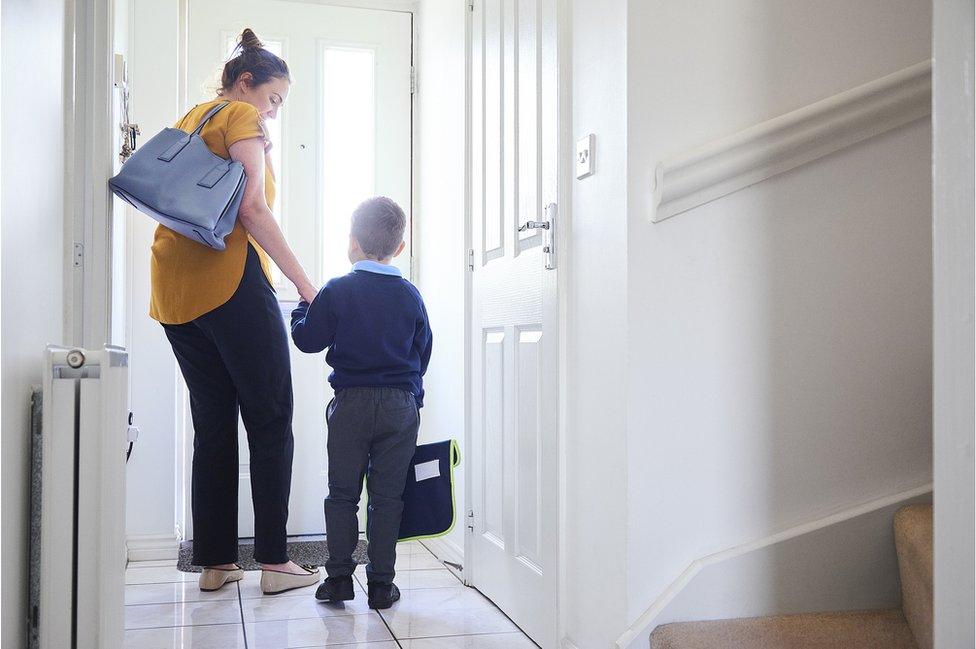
x=513, y=381
x=343, y=135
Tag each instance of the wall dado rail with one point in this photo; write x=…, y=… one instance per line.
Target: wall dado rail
x=732, y=163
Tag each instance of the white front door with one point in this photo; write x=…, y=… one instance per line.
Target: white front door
x=343, y=135
x=513, y=358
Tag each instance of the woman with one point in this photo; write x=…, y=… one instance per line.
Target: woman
x=223, y=321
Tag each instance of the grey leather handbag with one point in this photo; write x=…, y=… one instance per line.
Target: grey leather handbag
x=177, y=180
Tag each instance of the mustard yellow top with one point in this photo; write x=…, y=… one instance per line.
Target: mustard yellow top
x=188, y=278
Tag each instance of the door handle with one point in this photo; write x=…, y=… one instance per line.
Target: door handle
x=534, y=225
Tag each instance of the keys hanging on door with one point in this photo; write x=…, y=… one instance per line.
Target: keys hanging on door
x=549, y=227
x=129, y=130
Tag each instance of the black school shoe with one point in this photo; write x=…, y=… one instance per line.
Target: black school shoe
x=335, y=589
x=382, y=595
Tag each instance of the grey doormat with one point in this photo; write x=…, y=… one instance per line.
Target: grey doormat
x=302, y=552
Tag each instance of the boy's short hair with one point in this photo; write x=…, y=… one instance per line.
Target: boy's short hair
x=378, y=225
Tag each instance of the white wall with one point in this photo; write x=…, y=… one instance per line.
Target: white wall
x=955, y=501
x=32, y=268
x=780, y=357
x=595, y=265
x=439, y=233
x=151, y=487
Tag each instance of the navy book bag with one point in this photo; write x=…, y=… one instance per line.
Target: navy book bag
x=428, y=497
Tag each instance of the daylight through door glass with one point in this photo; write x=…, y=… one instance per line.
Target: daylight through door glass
x=348, y=145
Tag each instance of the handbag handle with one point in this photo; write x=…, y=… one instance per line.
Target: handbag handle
x=173, y=151
x=206, y=118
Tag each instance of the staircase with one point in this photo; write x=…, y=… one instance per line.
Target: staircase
x=909, y=627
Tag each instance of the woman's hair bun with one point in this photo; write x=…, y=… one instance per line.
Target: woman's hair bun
x=251, y=57
x=249, y=40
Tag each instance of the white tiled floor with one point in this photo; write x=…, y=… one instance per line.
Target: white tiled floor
x=166, y=610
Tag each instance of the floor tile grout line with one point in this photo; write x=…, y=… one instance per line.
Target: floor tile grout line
x=190, y=580
x=390, y=629
x=183, y=602
x=240, y=606
x=380, y=614
x=186, y=601
x=471, y=635
x=181, y=626
x=311, y=617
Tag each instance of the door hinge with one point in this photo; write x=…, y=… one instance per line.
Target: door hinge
x=471, y=520
x=471, y=259
x=78, y=256
x=413, y=80
x=470, y=6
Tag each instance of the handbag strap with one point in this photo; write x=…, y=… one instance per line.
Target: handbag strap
x=206, y=118
x=169, y=154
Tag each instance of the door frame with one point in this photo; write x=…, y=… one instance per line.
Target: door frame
x=563, y=255
x=89, y=156
x=182, y=417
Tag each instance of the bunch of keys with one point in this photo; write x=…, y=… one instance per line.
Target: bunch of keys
x=129, y=133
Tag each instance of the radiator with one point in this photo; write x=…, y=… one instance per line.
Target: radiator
x=78, y=501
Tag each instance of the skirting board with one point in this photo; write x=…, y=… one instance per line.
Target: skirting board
x=723, y=166
x=152, y=547
x=844, y=561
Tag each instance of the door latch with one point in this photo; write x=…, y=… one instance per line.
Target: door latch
x=548, y=226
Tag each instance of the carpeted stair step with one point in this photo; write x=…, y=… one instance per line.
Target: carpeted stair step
x=885, y=629
x=913, y=541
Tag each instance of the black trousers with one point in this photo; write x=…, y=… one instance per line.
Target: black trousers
x=372, y=433
x=236, y=358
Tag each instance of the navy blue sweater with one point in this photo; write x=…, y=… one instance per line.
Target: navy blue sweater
x=375, y=326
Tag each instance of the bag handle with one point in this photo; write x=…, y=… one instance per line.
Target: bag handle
x=179, y=145
x=206, y=118
x=455, y=453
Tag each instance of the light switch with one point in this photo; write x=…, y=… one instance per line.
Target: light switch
x=585, y=148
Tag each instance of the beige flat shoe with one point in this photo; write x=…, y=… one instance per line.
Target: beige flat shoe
x=274, y=582
x=212, y=579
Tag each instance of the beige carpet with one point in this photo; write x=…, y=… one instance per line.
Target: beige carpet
x=913, y=540
x=847, y=630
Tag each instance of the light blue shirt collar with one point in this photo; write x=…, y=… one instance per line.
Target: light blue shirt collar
x=371, y=266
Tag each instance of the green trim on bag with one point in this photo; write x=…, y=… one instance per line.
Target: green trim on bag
x=455, y=461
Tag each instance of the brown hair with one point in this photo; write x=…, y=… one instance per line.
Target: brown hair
x=252, y=57
x=378, y=225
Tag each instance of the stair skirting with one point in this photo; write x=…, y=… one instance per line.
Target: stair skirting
x=843, y=561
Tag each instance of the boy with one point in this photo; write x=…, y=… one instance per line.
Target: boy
x=375, y=325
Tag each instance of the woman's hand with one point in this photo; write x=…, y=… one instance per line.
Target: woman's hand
x=307, y=292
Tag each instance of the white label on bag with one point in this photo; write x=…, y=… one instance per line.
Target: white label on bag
x=427, y=470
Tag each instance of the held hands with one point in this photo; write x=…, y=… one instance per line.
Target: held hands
x=307, y=292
